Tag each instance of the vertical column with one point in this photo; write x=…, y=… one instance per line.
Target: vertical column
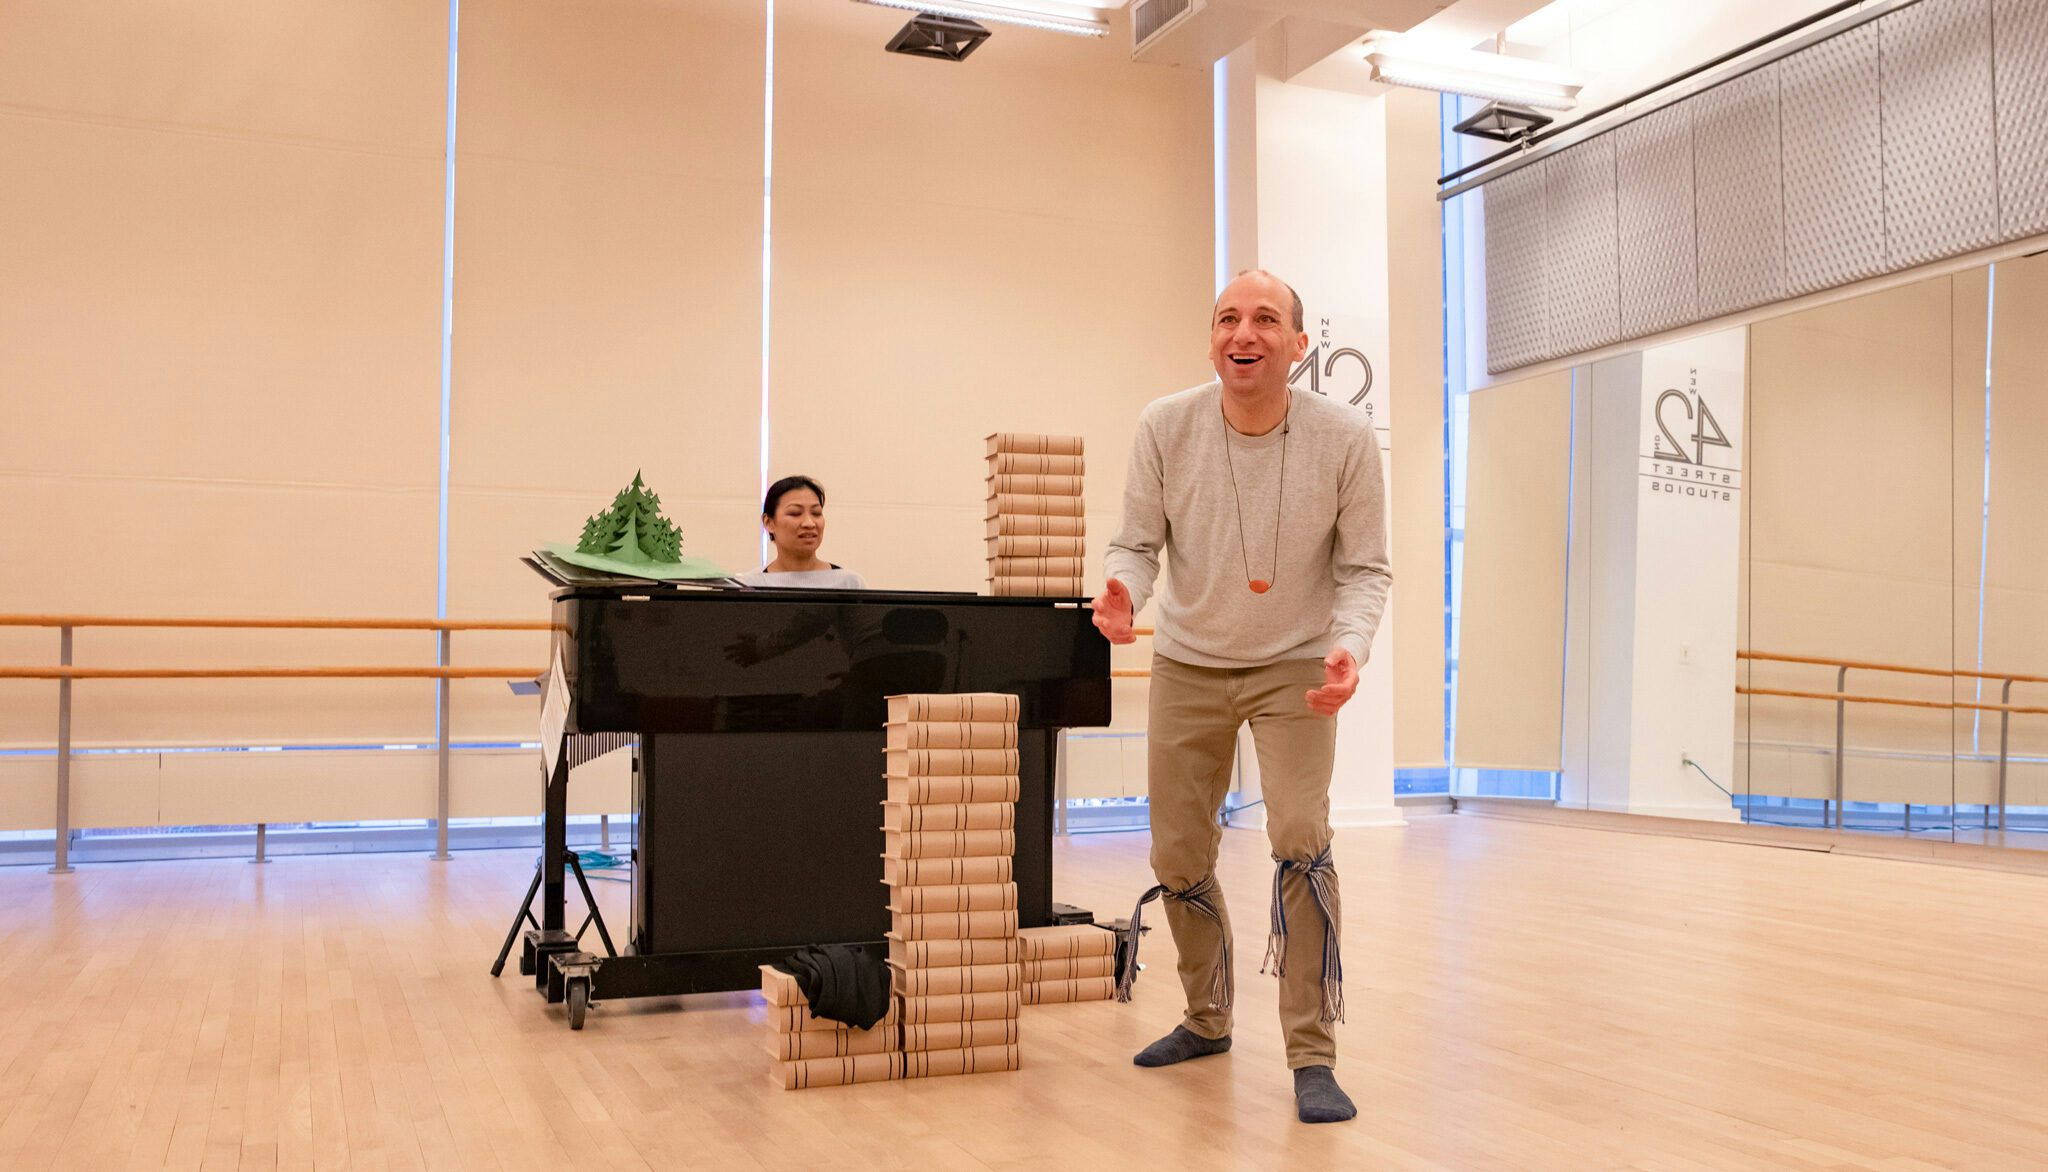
x=1320, y=216
x=1665, y=514
x=441, y=756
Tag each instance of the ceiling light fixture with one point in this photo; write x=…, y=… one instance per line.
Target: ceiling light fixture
x=1046, y=15
x=943, y=38
x=1401, y=61
x=1503, y=122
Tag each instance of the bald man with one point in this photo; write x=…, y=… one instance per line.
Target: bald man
x=1268, y=504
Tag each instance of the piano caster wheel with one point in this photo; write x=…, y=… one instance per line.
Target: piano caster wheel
x=579, y=1001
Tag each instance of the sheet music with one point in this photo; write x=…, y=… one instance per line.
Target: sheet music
x=554, y=715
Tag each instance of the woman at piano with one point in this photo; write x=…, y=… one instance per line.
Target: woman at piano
x=793, y=515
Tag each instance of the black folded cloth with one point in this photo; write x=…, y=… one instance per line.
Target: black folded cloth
x=843, y=982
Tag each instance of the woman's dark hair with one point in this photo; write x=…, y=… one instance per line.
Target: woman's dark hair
x=782, y=487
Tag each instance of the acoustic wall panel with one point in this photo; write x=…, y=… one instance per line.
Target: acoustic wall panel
x=2019, y=36
x=1940, y=174
x=1517, y=295
x=1834, y=191
x=1653, y=183
x=1582, y=260
x=1738, y=183
x=1898, y=140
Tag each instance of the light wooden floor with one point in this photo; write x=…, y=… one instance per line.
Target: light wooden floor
x=1521, y=996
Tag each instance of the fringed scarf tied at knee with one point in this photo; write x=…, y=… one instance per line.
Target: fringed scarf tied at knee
x=1197, y=896
x=1321, y=875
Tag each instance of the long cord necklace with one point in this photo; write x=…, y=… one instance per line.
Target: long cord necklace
x=1258, y=585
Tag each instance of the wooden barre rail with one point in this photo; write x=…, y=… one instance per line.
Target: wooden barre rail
x=267, y=673
x=1861, y=665
x=1841, y=698
x=65, y=673
x=1848, y=698
x=1774, y=657
x=81, y=620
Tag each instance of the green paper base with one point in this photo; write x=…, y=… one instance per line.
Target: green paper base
x=687, y=570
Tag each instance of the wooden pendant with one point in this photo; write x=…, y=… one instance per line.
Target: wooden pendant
x=1260, y=585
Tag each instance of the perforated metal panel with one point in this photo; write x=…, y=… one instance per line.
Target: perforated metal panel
x=1585, y=289
x=1834, y=195
x=1653, y=184
x=1740, y=193
x=1940, y=177
x=1917, y=135
x=2019, y=35
x=1517, y=296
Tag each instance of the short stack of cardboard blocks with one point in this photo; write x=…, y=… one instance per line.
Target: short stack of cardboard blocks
x=1036, y=530
x=820, y=1052
x=1068, y=962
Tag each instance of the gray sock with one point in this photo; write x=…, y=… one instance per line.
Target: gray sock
x=1179, y=1046
x=1318, y=1098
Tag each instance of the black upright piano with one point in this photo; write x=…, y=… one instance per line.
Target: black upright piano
x=757, y=721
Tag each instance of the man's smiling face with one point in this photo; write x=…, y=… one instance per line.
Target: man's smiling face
x=1252, y=340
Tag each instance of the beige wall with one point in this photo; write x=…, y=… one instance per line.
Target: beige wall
x=218, y=332
x=1851, y=528
x=1865, y=496
x=1415, y=379
x=1512, y=629
x=2015, y=562
x=1018, y=244
x=1022, y=244
x=607, y=295
x=222, y=316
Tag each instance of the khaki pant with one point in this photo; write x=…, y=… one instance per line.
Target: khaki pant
x=1194, y=716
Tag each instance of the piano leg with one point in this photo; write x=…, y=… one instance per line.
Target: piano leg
x=554, y=837
x=545, y=942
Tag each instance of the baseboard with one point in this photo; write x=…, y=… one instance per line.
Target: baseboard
x=1859, y=844
x=1367, y=817
x=1722, y=813
x=1423, y=805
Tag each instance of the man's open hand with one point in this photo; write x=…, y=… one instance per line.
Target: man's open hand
x=1113, y=613
x=1340, y=680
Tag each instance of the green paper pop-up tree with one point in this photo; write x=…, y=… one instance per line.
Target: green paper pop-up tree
x=633, y=530
x=633, y=540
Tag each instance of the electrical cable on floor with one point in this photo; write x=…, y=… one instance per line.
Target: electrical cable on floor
x=596, y=862
x=1710, y=780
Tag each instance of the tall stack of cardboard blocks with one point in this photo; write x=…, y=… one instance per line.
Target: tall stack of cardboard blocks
x=1036, y=529
x=959, y=968
x=949, y=841
x=949, y=844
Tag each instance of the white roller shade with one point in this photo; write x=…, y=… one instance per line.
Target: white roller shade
x=1511, y=625
x=607, y=296
x=221, y=226
x=1021, y=244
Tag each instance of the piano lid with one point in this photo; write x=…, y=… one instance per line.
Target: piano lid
x=789, y=660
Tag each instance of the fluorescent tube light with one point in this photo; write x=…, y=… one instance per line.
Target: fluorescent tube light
x=1052, y=17
x=1398, y=61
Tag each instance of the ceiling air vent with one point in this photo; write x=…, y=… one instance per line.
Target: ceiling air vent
x=1151, y=18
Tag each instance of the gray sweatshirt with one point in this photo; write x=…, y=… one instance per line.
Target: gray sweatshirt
x=1329, y=572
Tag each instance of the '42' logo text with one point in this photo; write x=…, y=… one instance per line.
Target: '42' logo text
x=1315, y=366
x=1704, y=431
